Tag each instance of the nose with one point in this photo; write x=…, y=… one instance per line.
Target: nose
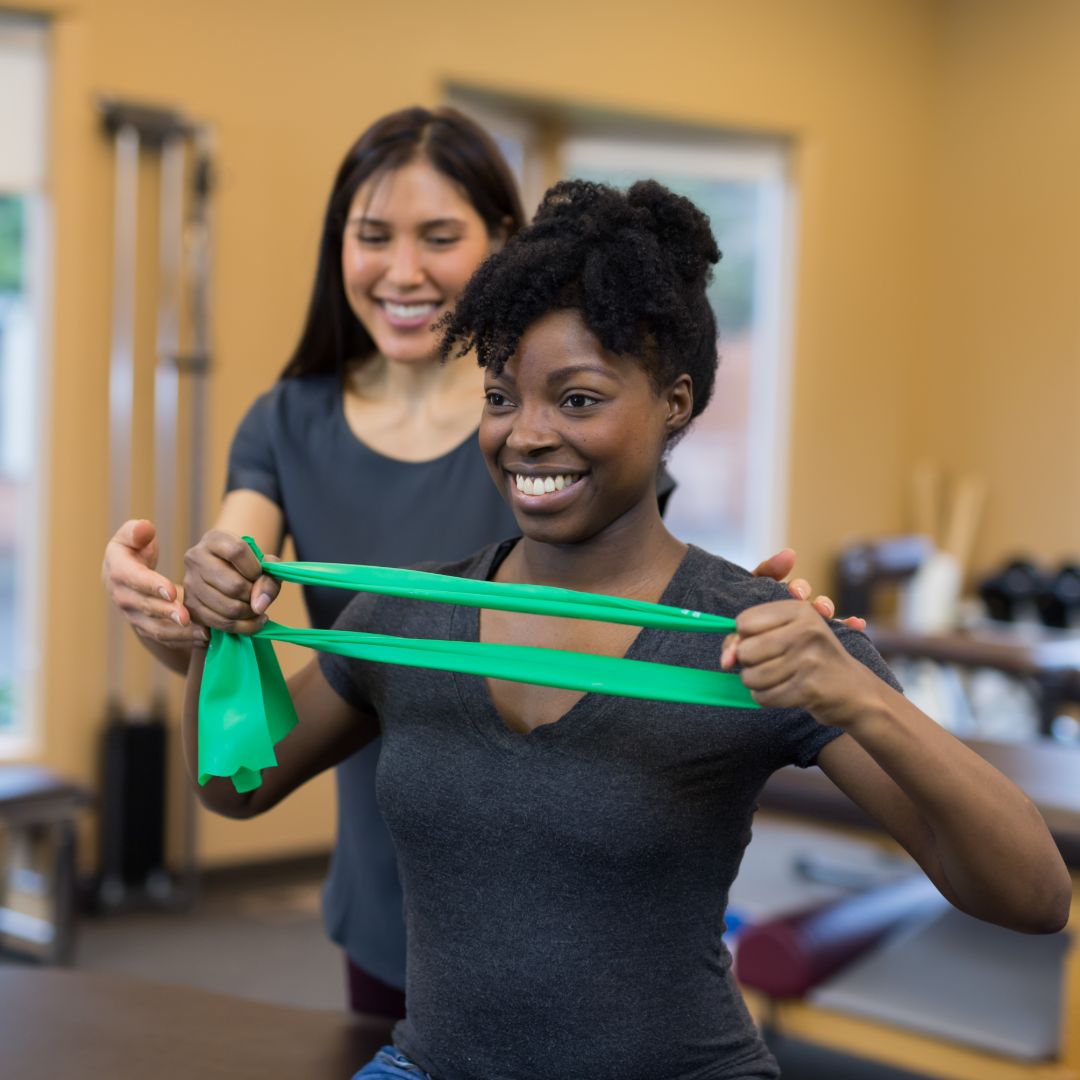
x=533, y=430
x=406, y=266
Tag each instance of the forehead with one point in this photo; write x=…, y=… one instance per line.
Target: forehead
x=562, y=339
x=416, y=191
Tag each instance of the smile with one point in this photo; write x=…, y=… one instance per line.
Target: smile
x=545, y=485
x=409, y=315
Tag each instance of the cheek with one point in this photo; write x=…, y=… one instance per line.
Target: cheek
x=357, y=267
x=453, y=272
x=491, y=437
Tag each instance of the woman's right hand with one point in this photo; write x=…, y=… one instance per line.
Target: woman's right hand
x=151, y=603
x=220, y=577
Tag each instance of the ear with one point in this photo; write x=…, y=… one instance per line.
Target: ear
x=679, y=397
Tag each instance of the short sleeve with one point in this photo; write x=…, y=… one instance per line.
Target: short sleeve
x=807, y=738
x=252, y=462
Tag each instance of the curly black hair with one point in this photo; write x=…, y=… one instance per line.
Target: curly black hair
x=634, y=264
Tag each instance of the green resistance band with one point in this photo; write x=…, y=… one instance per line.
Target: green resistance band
x=245, y=708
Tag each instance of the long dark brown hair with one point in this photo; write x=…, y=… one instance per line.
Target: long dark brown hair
x=451, y=143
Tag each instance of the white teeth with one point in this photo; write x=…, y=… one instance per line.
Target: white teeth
x=543, y=485
x=409, y=311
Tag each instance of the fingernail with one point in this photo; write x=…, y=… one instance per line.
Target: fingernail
x=164, y=594
x=175, y=616
x=202, y=635
x=802, y=590
x=260, y=603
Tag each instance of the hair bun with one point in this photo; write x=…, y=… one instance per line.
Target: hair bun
x=683, y=230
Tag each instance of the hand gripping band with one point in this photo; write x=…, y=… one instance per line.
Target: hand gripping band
x=245, y=708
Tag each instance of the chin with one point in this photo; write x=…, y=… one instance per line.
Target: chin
x=558, y=534
x=409, y=353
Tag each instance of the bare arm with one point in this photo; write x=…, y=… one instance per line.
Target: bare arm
x=328, y=731
x=152, y=603
x=975, y=834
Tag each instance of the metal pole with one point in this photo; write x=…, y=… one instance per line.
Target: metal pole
x=122, y=372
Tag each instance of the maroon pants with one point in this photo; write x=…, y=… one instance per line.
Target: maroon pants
x=372, y=996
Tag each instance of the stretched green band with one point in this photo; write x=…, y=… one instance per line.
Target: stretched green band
x=245, y=709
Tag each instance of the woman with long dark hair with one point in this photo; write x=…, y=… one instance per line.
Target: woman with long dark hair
x=363, y=451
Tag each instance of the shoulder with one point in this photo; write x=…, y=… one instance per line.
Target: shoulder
x=725, y=588
x=302, y=396
x=713, y=584
x=292, y=401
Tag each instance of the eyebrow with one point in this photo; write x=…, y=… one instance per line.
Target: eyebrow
x=435, y=223
x=580, y=369
x=562, y=373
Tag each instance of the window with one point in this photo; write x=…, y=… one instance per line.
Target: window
x=732, y=466
x=23, y=71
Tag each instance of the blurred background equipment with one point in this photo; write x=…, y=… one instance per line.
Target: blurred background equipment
x=38, y=841
x=135, y=748
x=1002, y=662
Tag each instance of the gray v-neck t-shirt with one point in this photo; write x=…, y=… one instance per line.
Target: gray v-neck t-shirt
x=565, y=888
x=342, y=501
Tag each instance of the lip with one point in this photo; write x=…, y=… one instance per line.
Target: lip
x=550, y=501
x=417, y=322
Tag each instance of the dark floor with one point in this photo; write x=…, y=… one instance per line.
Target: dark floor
x=260, y=936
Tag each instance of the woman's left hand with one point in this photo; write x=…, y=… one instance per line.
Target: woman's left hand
x=781, y=564
x=790, y=658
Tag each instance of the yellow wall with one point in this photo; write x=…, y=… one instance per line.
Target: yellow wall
x=999, y=390
x=289, y=84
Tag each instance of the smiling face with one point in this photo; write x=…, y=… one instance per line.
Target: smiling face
x=573, y=435
x=412, y=240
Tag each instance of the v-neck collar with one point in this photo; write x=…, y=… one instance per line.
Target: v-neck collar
x=587, y=710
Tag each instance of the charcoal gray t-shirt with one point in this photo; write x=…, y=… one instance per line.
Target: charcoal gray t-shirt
x=565, y=889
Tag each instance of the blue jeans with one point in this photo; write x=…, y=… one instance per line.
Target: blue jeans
x=391, y=1064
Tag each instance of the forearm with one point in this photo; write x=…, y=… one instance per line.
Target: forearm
x=975, y=832
x=327, y=732
x=175, y=657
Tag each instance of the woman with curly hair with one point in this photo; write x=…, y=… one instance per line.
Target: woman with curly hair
x=566, y=857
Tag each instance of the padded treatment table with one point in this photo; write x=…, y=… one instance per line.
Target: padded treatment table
x=882, y=1009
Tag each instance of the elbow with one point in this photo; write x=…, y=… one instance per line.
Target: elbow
x=1058, y=906
x=220, y=798
x=1049, y=906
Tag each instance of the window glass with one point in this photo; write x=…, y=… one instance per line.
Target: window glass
x=22, y=373
x=730, y=467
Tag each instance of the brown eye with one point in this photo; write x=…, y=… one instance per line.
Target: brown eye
x=580, y=401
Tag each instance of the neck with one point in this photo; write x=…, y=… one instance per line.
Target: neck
x=634, y=557
x=418, y=382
